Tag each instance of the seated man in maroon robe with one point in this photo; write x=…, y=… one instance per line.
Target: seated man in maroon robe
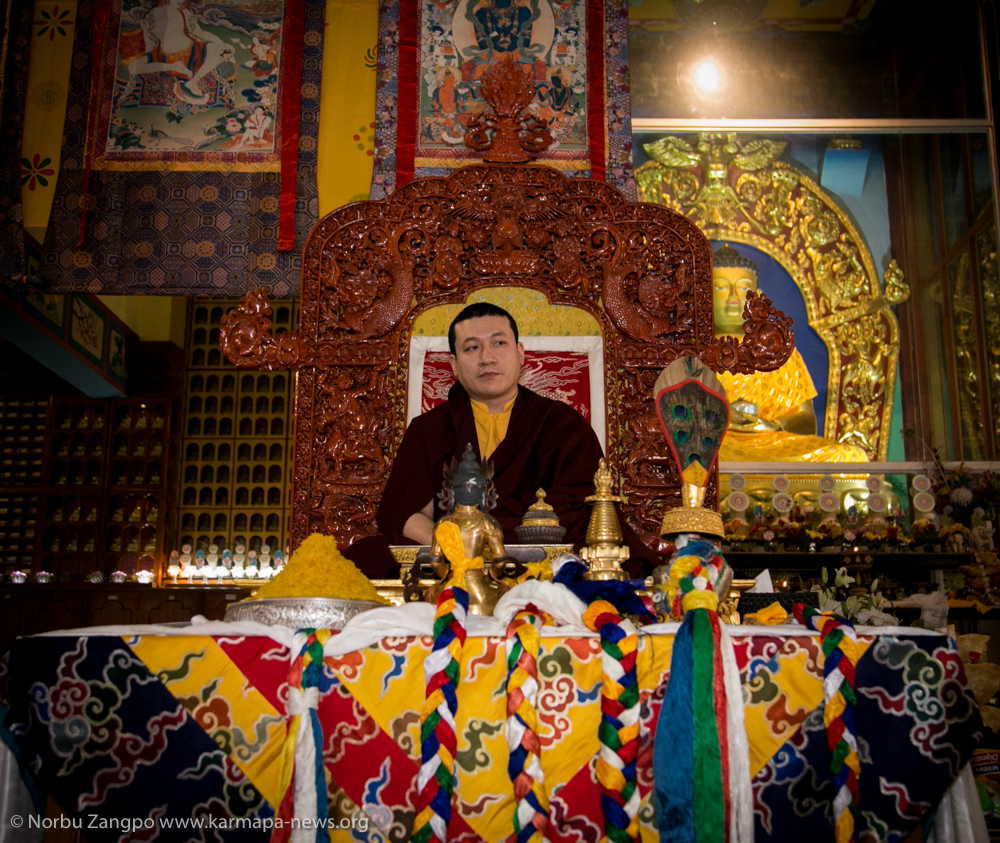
x=533, y=442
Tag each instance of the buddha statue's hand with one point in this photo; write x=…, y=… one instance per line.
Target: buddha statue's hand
x=750, y=422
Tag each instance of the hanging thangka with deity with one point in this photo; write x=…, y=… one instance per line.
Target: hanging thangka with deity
x=199, y=174
x=190, y=86
x=432, y=58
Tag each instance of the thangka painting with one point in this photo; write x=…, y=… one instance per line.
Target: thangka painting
x=433, y=55
x=191, y=85
x=461, y=42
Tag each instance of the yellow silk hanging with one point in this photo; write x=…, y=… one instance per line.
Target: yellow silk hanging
x=347, y=103
x=49, y=61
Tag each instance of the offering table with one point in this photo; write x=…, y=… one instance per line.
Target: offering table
x=191, y=722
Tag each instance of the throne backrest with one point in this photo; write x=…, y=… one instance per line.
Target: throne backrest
x=643, y=272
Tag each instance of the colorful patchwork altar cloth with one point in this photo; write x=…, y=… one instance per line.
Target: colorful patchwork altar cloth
x=194, y=726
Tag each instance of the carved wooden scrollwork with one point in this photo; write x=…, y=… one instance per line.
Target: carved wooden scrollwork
x=508, y=88
x=246, y=338
x=369, y=269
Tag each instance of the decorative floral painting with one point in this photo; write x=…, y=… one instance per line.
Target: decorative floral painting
x=50, y=309
x=87, y=328
x=116, y=354
x=191, y=84
x=461, y=41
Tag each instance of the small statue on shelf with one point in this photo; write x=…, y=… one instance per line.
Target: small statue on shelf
x=981, y=537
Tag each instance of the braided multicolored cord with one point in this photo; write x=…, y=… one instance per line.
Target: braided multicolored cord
x=693, y=778
x=840, y=649
x=442, y=668
x=619, y=729
x=531, y=810
x=303, y=776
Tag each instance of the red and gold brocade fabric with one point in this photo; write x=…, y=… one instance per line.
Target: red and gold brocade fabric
x=559, y=375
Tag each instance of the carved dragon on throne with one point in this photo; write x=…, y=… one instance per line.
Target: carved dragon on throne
x=369, y=269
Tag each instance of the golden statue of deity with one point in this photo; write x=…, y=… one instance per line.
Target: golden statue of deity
x=771, y=413
x=462, y=536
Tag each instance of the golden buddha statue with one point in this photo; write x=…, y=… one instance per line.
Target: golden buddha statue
x=771, y=413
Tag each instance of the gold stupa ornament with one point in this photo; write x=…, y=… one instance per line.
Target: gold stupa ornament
x=604, y=551
x=693, y=410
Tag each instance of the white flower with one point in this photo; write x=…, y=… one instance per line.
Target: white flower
x=962, y=496
x=700, y=583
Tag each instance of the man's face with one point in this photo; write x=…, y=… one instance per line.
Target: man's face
x=487, y=361
x=729, y=293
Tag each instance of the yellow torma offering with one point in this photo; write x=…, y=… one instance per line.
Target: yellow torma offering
x=318, y=569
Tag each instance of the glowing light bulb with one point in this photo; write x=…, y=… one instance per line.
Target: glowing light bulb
x=707, y=76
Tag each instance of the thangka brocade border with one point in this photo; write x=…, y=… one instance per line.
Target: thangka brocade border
x=122, y=253
x=614, y=114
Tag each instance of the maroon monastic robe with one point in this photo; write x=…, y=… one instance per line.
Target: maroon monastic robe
x=548, y=445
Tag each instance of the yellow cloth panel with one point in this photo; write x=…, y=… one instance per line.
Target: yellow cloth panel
x=569, y=736
x=50, y=58
x=570, y=681
x=491, y=428
x=347, y=103
x=800, y=691
x=534, y=315
x=197, y=671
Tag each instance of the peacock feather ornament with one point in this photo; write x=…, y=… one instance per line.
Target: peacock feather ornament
x=694, y=414
x=701, y=762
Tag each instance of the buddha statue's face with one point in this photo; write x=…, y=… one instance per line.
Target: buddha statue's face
x=729, y=293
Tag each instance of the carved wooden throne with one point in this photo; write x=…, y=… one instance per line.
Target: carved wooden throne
x=370, y=268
